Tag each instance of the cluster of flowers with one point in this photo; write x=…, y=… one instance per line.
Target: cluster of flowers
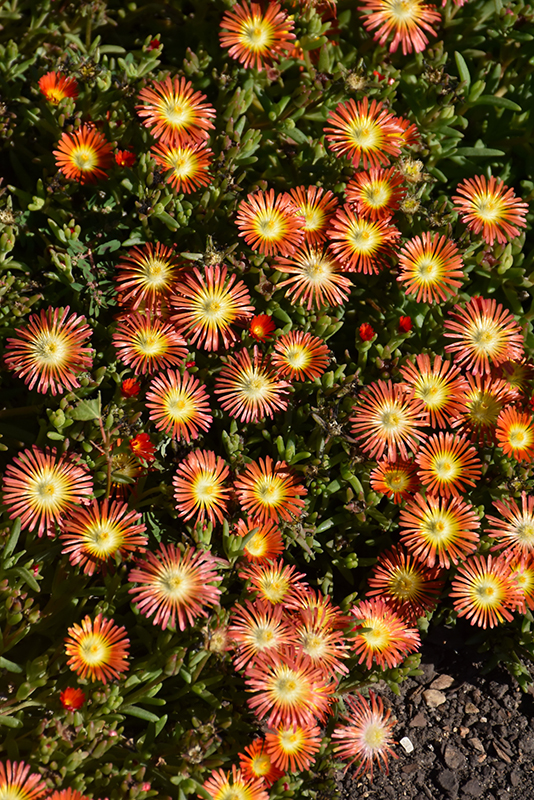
x=16, y=781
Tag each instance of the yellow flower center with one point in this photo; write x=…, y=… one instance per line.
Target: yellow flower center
x=364, y=133
x=257, y=35
x=374, y=735
x=297, y=357
x=179, y=406
x=432, y=390
x=182, y=162
x=260, y=764
x=376, y=195
x=270, y=225
x=50, y=350
x=175, y=113
x=274, y=588
x=519, y=436
x=487, y=592
x=446, y=467
x=439, y=528
x=93, y=649
x=150, y=343
x=524, y=531
x=483, y=409
x=155, y=274
x=291, y=740
x=103, y=538
x=175, y=583
x=405, y=585
x=397, y=481
x=486, y=337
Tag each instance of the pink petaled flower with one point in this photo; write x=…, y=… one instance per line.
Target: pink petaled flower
x=179, y=405
x=514, y=531
x=490, y=208
x=256, y=38
x=268, y=223
x=98, y=649
x=485, y=591
x=234, y=786
x=269, y=491
x=367, y=738
x=407, y=21
x=381, y=636
x=361, y=244
x=174, y=112
x=364, y=131
x=17, y=783
x=199, y=487
x=250, y=389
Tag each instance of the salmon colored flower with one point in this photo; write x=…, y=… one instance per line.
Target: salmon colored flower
x=360, y=244
x=515, y=434
x=84, y=155
x=72, y=698
x=325, y=647
x=430, y=266
x=406, y=21
x=316, y=208
x=174, y=112
x=261, y=327
x=514, y=531
x=146, y=276
x=485, y=592
x=268, y=223
x=51, y=350
x=522, y=572
x=292, y=748
x=130, y=388
x=265, y=543
x=366, y=332
x=17, y=783
x=483, y=399
x=179, y=405
x=491, y=208
x=186, y=164
x=250, y=389
x=269, y=491
x=438, y=385
x=275, y=582
x=142, y=447
x=367, y=738
x=146, y=343
x=364, y=132
x=381, y=637
x=396, y=479
x=376, y=194
x=125, y=158
x=257, y=627
x=199, y=487
x=448, y=464
x=235, y=786
x=256, y=38
x=56, y=87
x=174, y=586
x=98, y=649
x=300, y=356
x=315, y=278
x=256, y=762
x=42, y=485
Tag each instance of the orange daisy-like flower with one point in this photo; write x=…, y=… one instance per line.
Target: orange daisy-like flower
x=485, y=591
x=316, y=210
x=490, y=208
x=481, y=403
x=50, y=351
x=368, y=736
x=269, y=491
x=264, y=544
x=448, y=464
x=249, y=389
x=438, y=385
x=179, y=405
x=174, y=586
x=515, y=434
x=199, y=486
x=261, y=327
x=146, y=343
x=146, y=276
x=517, y=375
x=125, y=158
x=438, y=530
x=361, y=244
x=289, y=690
x=407, y=21
x=18, y=783
x=174, y=112
x=386, y=420
x=143, y=447
x=381, y=635
x=376, y=194
x=315, y=278
x=72, y=698
x=94, y=535
x=485, y=334
x=256, y=762
x=298, y=355
x=258, y=627
x=430, y=265
x=325, y=647
x=98, y=649
x=84, y=155
x=293, y=747
x=40, y=486
x=256, y=38
x=364, y=132
x=268, y=224
x=408, y=587
x=326, y=614
x=67, y=794
x=56, y=87
x=275, y=582
x=235, y=786
x=396, y=479
x=206, y=305
x=187, y=164
x=514, y=533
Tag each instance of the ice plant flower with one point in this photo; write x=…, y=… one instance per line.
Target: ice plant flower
x=18, y=783
x=405, y=324
x=256, y=762
x=255, y=38
x=249, y=389
x=315, y=207
x=274, y=582
x=235, y=786
x=93, y=535
x=429, y=268
x=98, y=649
x=72, y=698
x=363, y=131
x=376, y=194
x=187, y=164
x=439, y=531
x=360, y=244
x=142, y=446
x=269, y=491
x=408, y=587
x=396, y=479
x=292, y=748
x=51, y=350
x=325, y=647
x=448, y=464
x=491, y=208
x=485, y=592
x=438, y=385
x=174, y=586
x=56, y=87
x=265, y=543
x=515, y=434
x=484, y=334
x=481, y=403
x=67, y=794
x=515, y=533
x=381, y=636
x=268, y=223
x=366, y=332
x=387, y=421
x=261, y=327
x=179, y=405
x=146, y=276
x=174, y=112
x=199, y=486
x=257, y=627
x=407, y=21
x=146, y=343
x=42, y=485
x=300, y=356
x=125, y=158
x=130, y=387
x=84, y=155
x=367, y=738
x=206, y=305
x=522, y=571
x=315, y=278
x=288, y=689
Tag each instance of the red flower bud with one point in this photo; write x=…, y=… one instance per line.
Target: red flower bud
x=366, y=332
x=405, y=324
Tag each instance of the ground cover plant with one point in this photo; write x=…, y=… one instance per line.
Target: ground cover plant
x=267, y=381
